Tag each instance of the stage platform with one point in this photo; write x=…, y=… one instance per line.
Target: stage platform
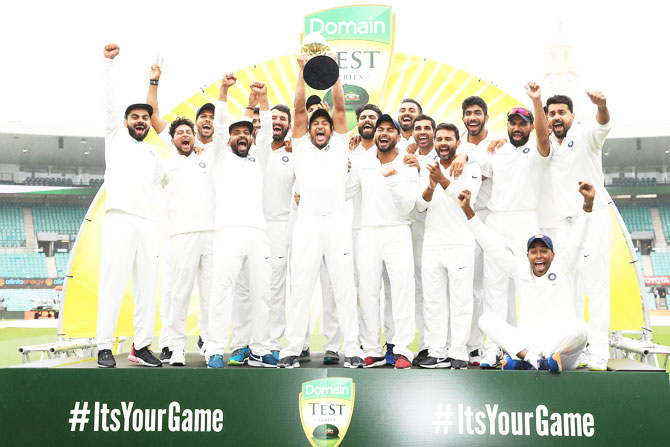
x=71, y=402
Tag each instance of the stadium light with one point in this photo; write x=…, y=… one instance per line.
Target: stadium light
x=622, y=196
x=646, y=196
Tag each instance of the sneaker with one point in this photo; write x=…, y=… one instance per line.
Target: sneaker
x=200, y=346
x=290, y=361
x=240, y=357
x=263, y=361
x=331, y=358
x=553, y=363
x=509, y=364
x=147, y=358
x=490, y=359
x=459, y=364
x=597, y=363
x=372, y=362
x=475, y=357
x=354, y=362
x=275, y=353
x=178, y=358
x=583, y=359
x=106, y=359
x=166, y=354
x=421, y=355
x=401, y=362
x=434, y=362
x=305, y=355
x=390, y=357
x=131, y=355
x=216, y=362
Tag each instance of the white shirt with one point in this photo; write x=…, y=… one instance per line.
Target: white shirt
x=404, y=142
x=445, y=221
x=479, y=154
x=131, y=167
x=356, y=200
x=516, y=173
x=279, y=173
x=549, y=297
x=385, y=201
x=430, y=157
x=578, y=158
x=238, y=181
x=321, y=174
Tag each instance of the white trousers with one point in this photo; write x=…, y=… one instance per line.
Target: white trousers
x=314, y=238
x=331, y=329
x=514, y=229
x=390, y=247
x=447, y=299
x=188, y=256
x=129, y=245
x=567, y=336
x=476, y=335
x=418, y=229
x=232, y=247
x=241, y=324
x=593, y=278
x=278, y=233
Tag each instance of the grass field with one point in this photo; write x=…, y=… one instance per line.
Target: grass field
x=12, y=338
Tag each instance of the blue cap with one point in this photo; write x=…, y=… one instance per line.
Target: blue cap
x=541, y=237
x=206, y=106
x=386, y=118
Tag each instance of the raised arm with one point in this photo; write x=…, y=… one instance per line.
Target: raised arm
x=579, y=236
x=541, y=125
x=251, y=104
x=339, y=114
x=158, y=123
x=598, y=98
x=113, y=110
x=221, y=135
x=265, y=133
x=300, y=111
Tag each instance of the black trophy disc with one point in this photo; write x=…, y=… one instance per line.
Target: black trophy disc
x=321, y=72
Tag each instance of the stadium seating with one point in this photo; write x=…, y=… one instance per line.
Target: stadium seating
x=59, y=219
x=629, y=181
x=651, y=301
x=62, y=260
x=661, y=262
x=636, y=217
x=26, y=299
x=12, y=233
x=23, y=265
x=665, y=219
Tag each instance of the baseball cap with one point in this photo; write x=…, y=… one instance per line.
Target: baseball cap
x=386, y=118
x=523, y=112
x=139, y=105
x=206, y=106
x=244, y=123
x=541, y=237
x=314, y=99
x=320, y=112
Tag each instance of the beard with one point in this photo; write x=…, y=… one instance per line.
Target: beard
x=366, y=134
x=235, y=148
x=135, y=135
x=477, y=131
x=281, y=136
x=518, y=143
x=449, y=156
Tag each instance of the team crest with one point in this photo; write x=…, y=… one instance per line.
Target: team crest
x=570, y=144
x=526, y=150
x=202, y=164
x=251, y=159
x=326, y=407
x=284, y=159
x=552, y=276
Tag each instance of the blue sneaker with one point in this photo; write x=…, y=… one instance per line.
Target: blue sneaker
x=240, y=357
x=305, y=355
x=216, y=361
x=508, y=364
x=553, y=363
x=275, y=354
x=390, y=358
x=267, y=360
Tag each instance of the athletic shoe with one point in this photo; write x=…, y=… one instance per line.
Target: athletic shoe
x=178, y=358
x=475, y=357
x=275, y=353
x=459, y=364
x=290, y=361
x=509, y=364
x=583, y=359
x=200, y=346
x=401, y=362
x=106, y=359
x=421, y=355
x=305, y=355
x=216, y=362
x=240, y=357
x=354, y=362
x=131, y=355
x=166, y=354
x=372, y=362
x=490, y=359
x=390, y=357
x=263, y=361
x=331, y=358
x=597, y=363
x=147, y=358
x=553, y=363
x=434, y=362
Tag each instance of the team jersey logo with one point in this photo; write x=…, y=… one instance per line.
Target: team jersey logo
x=552, y=276
x=202, y=164
x=284, y=159
x=526, y=150
x=326, y=407
x=571, y=143
x=251, y=159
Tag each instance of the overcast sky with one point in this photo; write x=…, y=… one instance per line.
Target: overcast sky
x=51, y=52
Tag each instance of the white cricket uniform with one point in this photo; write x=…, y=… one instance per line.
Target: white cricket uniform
x=448, y=265
x=517, y=174
x=277, y=196
x=547, y=322
x=129, y=235
x=579, y=158
x=385, y=240
x=321, y=230
x=404, y=142
x=417, y=225
x=240, y=236
x=189, y=195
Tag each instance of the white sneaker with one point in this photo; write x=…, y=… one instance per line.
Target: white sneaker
x=597, y=363
x=178, y=358
x=490, y=359
x=583, y=359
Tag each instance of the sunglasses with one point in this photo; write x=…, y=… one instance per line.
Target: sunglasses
x=520, y=111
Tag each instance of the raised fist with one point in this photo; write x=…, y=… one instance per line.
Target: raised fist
x=111, y=50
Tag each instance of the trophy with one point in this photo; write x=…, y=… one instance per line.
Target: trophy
x=321, y=71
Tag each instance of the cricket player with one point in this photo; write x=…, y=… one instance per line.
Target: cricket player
x=407, y=112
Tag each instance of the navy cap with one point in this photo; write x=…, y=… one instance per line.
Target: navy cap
x=139, y=105
x=388, y=118
x=320, y=112
x=523, y=112
x=206, y=106
x=244, y=123
x=541, y=237
x=314, y=99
